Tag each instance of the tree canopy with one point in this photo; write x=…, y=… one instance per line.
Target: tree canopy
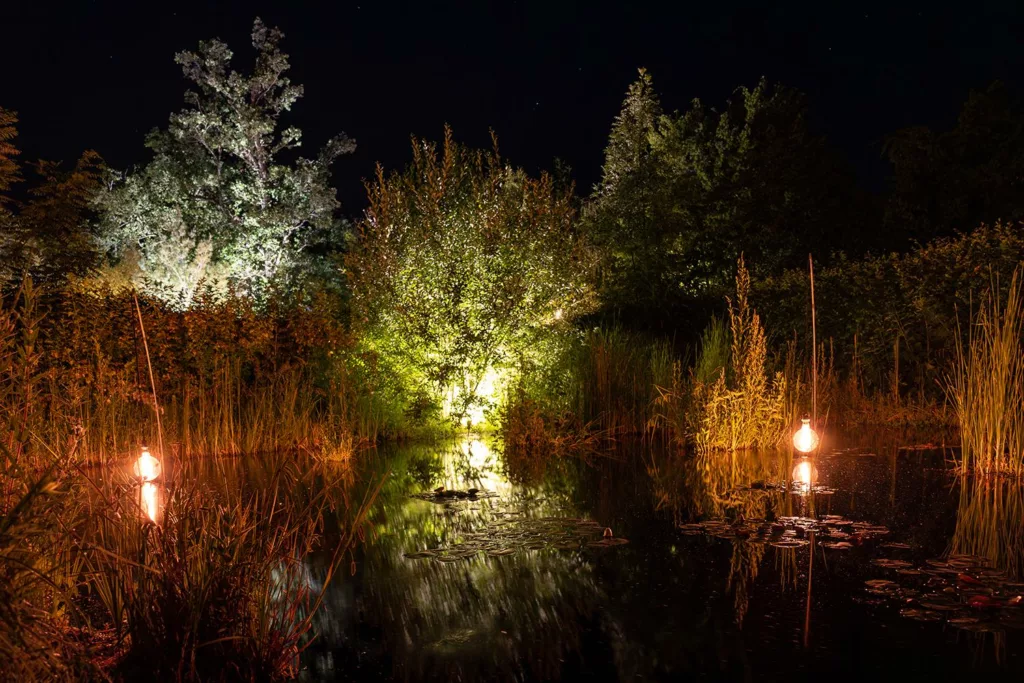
x=950, y=181
x=684, y=195
x=461, y=262
x=219, y=203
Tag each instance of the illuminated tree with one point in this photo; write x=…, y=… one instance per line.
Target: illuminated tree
x=461, y=263
x=216, y=204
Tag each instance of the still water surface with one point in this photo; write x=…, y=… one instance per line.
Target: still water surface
x=520, y=582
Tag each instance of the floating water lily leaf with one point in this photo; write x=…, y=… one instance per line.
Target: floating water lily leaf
x=958, y=621
x=941, y=606
x=838, y=545
x=420, y=555
x=891, y=564
x=920, y=614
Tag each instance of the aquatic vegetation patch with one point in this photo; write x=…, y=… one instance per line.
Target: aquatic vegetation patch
x=834, y=531
x=512, y=532
x=965, y=591
x=443, y=495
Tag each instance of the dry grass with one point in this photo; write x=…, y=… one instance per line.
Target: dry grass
x=733, y=406
x=217, y=590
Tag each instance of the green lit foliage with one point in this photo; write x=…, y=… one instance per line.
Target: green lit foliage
x=462, y=262
x=217, y=204
x=683, y=195
x=597, y=384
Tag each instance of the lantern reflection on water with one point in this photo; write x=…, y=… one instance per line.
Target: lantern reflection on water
x=149, y=499
x=805, y=475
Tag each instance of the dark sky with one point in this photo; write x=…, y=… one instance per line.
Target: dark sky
x=547, y=76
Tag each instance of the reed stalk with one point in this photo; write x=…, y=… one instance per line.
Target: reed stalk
x=986, y=386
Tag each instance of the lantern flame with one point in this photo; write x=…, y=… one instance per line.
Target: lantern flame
x=806, y=439
x=147, y=468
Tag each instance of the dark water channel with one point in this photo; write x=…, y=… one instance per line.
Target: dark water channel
x=728, y=574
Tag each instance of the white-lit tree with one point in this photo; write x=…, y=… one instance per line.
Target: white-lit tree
x=217, y=203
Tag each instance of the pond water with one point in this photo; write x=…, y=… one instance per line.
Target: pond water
x=728, y=572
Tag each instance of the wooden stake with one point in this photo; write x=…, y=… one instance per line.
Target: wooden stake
x=152, y=382
x=814, y=350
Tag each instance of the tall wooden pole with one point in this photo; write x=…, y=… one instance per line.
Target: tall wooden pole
x=152, y=381
x=814, y=350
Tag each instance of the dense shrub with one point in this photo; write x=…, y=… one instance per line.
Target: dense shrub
x=892, y=320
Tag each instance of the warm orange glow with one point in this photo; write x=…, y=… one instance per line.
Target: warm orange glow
x=149, y=498
x=147, y=468
x=806, y=439
x=805, y=474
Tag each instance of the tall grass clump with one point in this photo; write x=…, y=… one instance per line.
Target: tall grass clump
x=986, y=385
x=729, y=402
x=217, y=588
x=38, y=640
x=232, y=377
x=614, y=373
x=582, y=388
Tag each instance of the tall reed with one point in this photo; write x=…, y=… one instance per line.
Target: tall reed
x=614, y=374
x=986, y=385
x=990, y=523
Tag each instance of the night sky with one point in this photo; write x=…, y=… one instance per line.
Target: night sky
x=547, y=76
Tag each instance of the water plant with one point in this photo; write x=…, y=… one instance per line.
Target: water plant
x=219, y=584
x=986, y=385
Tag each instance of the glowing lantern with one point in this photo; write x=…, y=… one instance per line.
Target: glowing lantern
x=147, y=468
x=805, y=475
x=149, y=498
x=806, y=439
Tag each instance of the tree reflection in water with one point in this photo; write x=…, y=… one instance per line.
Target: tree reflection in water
x=667, y=606
x=742, y=485
x=990, y=522
x=473, y=618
